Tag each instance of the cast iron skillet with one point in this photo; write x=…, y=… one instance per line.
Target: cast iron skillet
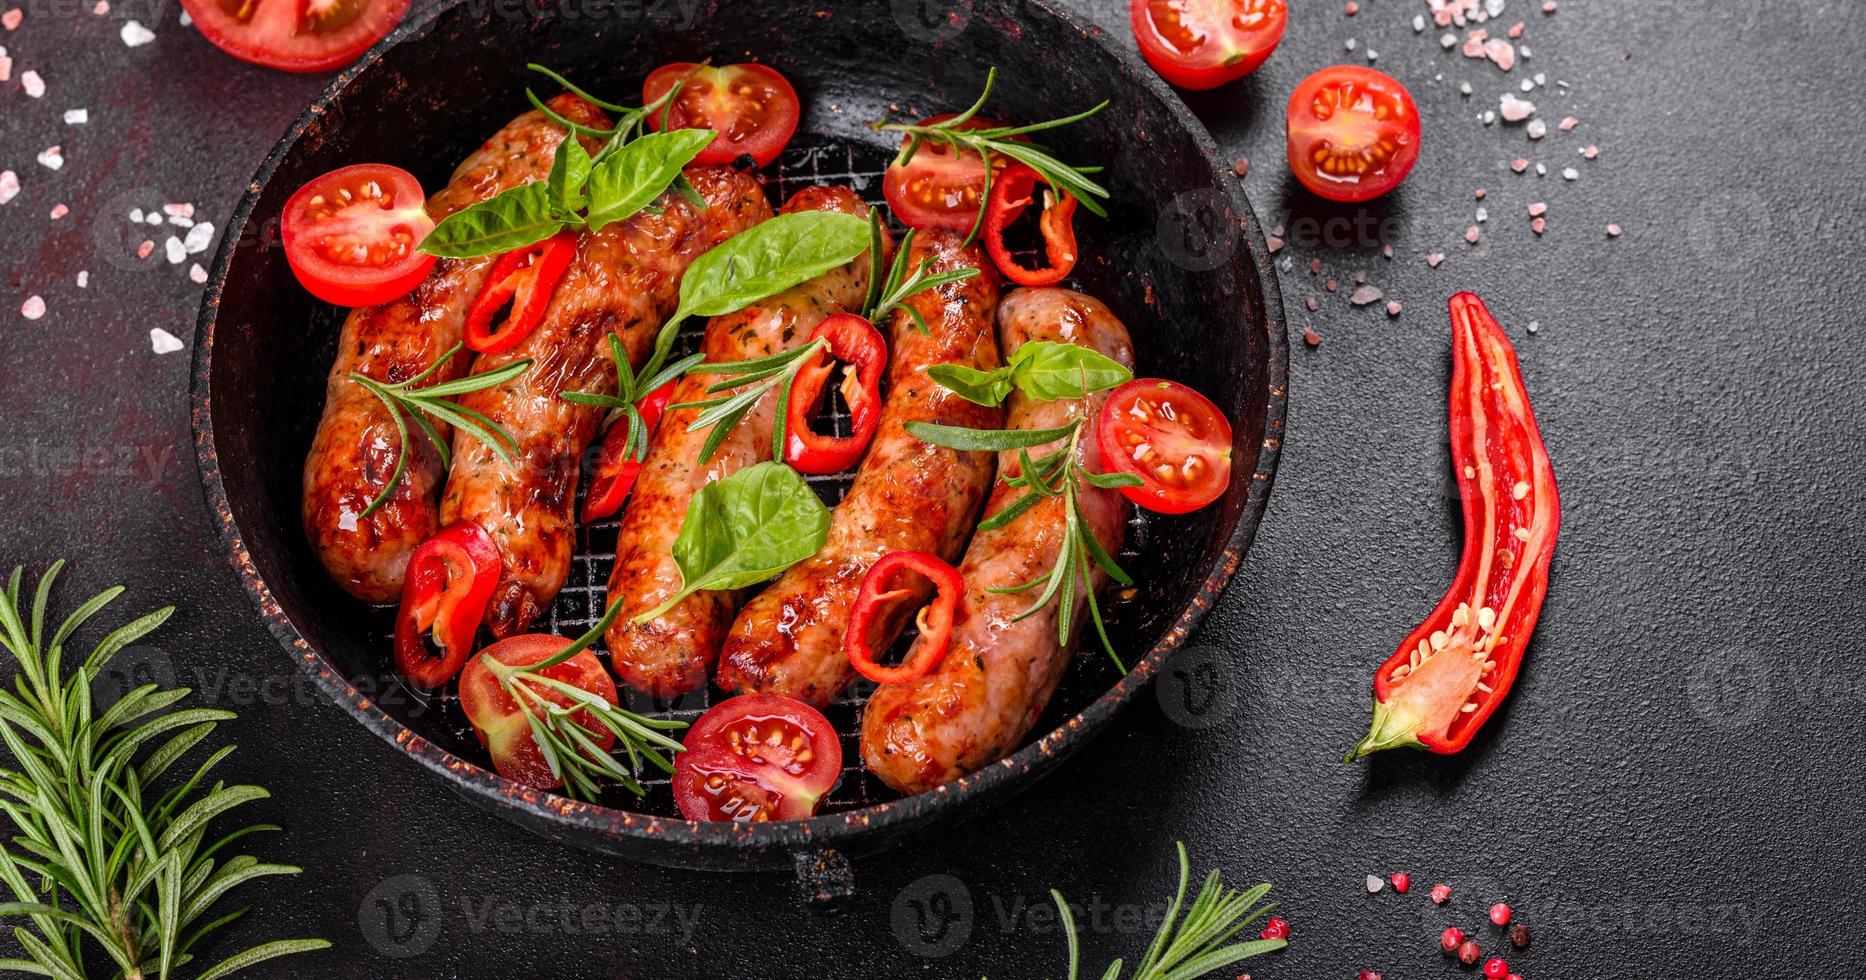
x=1181, y=259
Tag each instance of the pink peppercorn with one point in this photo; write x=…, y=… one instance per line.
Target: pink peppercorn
x=1440, y=893
x=1500, y=914
x=1369, y=975
x=1402, y=882
x=1495, y=969
x=1450, y=939
x=1468, y=953
x=1276, y=928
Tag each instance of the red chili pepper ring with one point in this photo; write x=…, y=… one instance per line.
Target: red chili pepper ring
x=450, y=579
x=853, y=341
x=524, y=280
x=879, y=602
x=1011, y=193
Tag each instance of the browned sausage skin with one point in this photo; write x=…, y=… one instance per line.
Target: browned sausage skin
x=672, y=653
x=624, y=280
x=984, y=697
x=355, y=449
x=908, y=495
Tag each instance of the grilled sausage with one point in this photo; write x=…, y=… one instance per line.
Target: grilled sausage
x=908, y=495
x=624, y=280
x=986, y=695
x=672, y=653
x=355, y=449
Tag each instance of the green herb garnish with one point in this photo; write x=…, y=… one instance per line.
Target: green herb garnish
x=889, y=292
x=1044, y=370
x=94, y=856
x=630, y=390
x=744, y=529
x=417, y=403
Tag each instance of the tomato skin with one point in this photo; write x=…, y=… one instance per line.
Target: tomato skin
x=760, y=124
x=496, y=717
x=1199, y=44
x=390, y=224
x=938, y=189
x=1174, y=425
x=274, y=36
x=754, y=758
x=1343, y=113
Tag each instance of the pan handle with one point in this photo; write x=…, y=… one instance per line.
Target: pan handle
x=825, y=878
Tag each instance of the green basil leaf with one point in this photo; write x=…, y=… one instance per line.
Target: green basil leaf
x=570, y=171
x=514, y=218
x=768, y=258
x=745, y=529
x=1047, y=371
x=986, y=440
x=979, y=387
x=634, y=175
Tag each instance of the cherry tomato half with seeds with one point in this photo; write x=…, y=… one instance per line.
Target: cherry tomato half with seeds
x=1202, y=44
x=1353, y=133
x=501, y=725
x=1171, y=437
x=754, y=758
x=752, y=108
x=351, y=236
x=940, y=188
x=295, y=35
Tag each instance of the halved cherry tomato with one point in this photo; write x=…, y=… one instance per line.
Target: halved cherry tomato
x=1201, y=44
x=853, y=341
x=520, y=285
x=1170, y=436
x=616, y=470
x=1353, y=133
x=497, y=718
x=877, y=605
x=350, y=236
x=295, y=35
x=754, y=758
x=1010, y=196
x=938, y=188
x=449, y=581
x=752, y=108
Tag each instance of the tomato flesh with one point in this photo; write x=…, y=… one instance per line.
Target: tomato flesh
x=752, y=108
x=502, y=726
x=295, y=35
x=1171, y=437
x=755, y=758
x=939, y=188
x=1353, y=133
x=351, y=236
x=1202, y=44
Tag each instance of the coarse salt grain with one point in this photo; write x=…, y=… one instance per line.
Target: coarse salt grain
x=1394, y=308
x=9, y=186
x=152, y=218
x=1448, y=41
x=1549, y=7
x=173, y=249
x=1516, y=29
x=1515, y=109
x=135, y=35
x=1568, y=124
x=1375, y=883
x=1352, y=44
x=1542, y=170
x=6, y=66
x=1590, y=152
x=1312, y=304
x=77, y=117
x=1538, y=209
x=1519, y=165
x=183, y=209
x=1464, y=88
x=1418, y=24
x=143, y=250
x=163, y=342
x=200, y=237
x=33, y=308
x=196, y=273
x=186, y=21
x=33, y=85
x=1539, y=225
x=1571, y=174
x=1365, y=295
x=1472, y=235
x=10, y=20
x=1501, y=52
x=136, y=216
x=52, y=158
x=180, y=221
x=1538, y=129
x=84, y=278
x=59, y=211
x=1480, y=193
x=1435, y=259
x=1483, y=214
x=1275, y=244
x=1615, y=231
x=101, y=8
x=1310, y=337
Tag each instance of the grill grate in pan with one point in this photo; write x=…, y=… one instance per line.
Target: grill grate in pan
x=809, y=160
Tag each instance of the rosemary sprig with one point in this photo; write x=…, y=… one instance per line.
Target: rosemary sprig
x=889, y=292
x=630, y=124
x=630, y=390
x=1061, y=177
x=417, y=403
x=1057, y=473
x=569, y=747
x=758, y=376
x=1199, y=944
x=97, y=852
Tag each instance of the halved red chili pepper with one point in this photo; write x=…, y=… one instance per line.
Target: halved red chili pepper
x=856, y=342
x=1451, y=673
x=1011, y=193
x=523, y=280
x=876, y=615
x=616, y=470
x=450, y=579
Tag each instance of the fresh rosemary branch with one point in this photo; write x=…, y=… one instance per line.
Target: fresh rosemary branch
x=759, y=376
x=405, y=399
x=630, y=124
x=888, y=292
x=99, y=851
x=630, y=390
x=1062, y=178
x=1199, y=944
x=569, y=747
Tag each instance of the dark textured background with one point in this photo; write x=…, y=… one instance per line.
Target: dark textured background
x=1673, y=789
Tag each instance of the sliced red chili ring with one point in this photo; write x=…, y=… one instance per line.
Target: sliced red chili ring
x=876, y=614
x=616, y=470
x=1451, y=673
x=1011, y=194
x=853, y=341
x=451, y=577
x=520, y=284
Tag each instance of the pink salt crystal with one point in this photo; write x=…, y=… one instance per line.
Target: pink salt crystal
x=32, y=83
x=196, y=273
x=1472, y=235
x=1538, y=129
x=1387, y=250
x=59, y=211
x=1502, y=52
x=183, y=210
x=1519, y=165
x=1615, y=231
x=1315, y=266
x=33, y=308
x=1538, y=209
x=9, y=185
x=1516, y=29
x=1474, y=45
x=1365, y=295
x=1311, y=304
x=1539, y=225
x=1568, y=124
x=1515, y=109
x=1331, y=285
x=1353, y=8
x=6, y=67
x=1549, y=7
x=143, y=250
x=1276, y=244
x=102, y=8
x=1591, y=152
x=1394, y=307
x=1480, y=193
x=1435, y=259
x=10, y=20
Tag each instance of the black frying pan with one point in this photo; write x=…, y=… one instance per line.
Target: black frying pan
x=1181, y=259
